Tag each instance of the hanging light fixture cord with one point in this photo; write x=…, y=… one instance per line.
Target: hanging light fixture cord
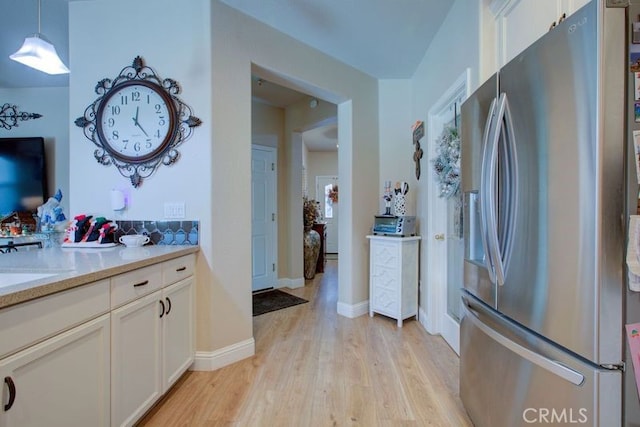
x=39, y=5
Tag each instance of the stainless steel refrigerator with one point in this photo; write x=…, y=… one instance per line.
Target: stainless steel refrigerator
x=549, y=182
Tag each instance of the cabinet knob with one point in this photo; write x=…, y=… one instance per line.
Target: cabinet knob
x=439, y=236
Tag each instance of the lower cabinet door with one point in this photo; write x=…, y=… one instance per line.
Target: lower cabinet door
x=178, y=330
x=136, y=381
x=62, y=381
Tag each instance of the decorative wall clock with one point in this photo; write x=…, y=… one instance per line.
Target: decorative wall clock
x=137, y=122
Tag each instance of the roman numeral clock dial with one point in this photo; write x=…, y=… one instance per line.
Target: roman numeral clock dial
x=138, y=122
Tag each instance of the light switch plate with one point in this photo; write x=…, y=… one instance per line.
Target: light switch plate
x=174, y=210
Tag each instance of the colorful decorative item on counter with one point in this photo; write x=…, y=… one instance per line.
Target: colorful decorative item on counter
x=90, y=231
x=51, y=215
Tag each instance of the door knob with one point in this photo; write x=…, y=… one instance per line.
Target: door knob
x=439, y=236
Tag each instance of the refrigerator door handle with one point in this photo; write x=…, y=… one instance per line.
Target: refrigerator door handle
x=489, y=129
x=511, y=190
x=550, y=365
x=490, y=164
x=501, y=248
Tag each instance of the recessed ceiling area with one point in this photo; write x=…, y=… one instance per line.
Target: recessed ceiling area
x=321, y=138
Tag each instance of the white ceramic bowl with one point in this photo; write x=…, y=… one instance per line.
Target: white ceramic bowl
x=134, y=240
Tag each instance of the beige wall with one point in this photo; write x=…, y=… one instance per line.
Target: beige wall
x=238, y=43
x=320, y=163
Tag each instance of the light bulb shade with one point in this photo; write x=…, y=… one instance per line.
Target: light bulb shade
x=36, y=52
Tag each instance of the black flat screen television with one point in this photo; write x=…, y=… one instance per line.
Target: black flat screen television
x=23, y=174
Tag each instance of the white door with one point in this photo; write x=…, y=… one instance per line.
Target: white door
x=444, y=238
x=327, y=194
x=263, y=217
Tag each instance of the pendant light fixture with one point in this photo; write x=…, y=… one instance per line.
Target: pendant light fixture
x=38, y=52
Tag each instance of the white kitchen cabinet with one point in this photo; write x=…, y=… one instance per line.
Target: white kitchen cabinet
x=393, y=276
x=136, y=378
x=519, y=23
x=61, y=381
x=178, y=331
x=152, y=340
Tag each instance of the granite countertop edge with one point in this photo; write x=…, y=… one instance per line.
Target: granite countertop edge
x=68, y=279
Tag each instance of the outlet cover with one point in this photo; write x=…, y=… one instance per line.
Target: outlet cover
x=174, y=210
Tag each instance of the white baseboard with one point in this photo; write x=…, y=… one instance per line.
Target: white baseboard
x=353, y=311
x=291, y=283
x=212, y=360
x=425, y=321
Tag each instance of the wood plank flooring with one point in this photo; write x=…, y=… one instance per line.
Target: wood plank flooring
x=315, y=368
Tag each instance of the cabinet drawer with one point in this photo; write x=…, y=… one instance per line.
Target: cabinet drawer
x=35, y=320
x=385, y=301
x=134, y=284
x=385, y=278
x=177, y=269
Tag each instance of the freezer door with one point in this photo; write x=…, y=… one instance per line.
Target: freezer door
x=509, y=377
x=476, y=116
x=564, y=278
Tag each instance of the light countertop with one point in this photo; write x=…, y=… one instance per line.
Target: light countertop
x=73, y=267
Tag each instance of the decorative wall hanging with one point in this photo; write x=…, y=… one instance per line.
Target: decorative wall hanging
x=446, y=164
x=418, y=132
x=137, y=122
x=9, y=116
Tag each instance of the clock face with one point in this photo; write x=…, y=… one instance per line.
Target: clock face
x=136, y=121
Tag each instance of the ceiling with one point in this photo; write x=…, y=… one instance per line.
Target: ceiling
x=386, y=39
x=383, y=38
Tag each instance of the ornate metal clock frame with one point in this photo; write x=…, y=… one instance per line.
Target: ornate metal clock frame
x=181, y=123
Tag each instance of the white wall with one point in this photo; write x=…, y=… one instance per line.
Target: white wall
x=105, y=36
x=396, y=140
x=458, y=45
x=53, y=126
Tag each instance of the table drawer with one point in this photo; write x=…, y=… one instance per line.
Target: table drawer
x=135, y=284
x=177, y=269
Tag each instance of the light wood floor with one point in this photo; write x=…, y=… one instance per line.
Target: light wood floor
x=315, y=368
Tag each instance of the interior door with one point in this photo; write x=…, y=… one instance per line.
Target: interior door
x=263, y=217
x=326, y=192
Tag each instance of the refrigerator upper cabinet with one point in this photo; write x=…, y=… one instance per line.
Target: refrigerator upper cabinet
x=559, y=264
x=476, y=113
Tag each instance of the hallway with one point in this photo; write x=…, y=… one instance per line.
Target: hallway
x=316, y=368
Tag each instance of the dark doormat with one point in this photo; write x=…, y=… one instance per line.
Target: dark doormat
x=265, y=302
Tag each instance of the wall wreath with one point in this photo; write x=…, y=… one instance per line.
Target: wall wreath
x=446, y=164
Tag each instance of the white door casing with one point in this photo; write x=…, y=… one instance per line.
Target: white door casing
x=438, y=320
x=263, y=217
x=330, y=214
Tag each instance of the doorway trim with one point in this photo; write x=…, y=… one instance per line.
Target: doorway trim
x=436, y=320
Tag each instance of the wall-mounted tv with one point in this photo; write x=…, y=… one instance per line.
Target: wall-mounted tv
x=23, y=174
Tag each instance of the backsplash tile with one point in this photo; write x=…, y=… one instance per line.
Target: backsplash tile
x=162, y=232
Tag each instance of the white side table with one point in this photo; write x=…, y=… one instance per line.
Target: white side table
x=393, y=276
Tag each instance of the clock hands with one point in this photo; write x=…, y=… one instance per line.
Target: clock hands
x=136, y=123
